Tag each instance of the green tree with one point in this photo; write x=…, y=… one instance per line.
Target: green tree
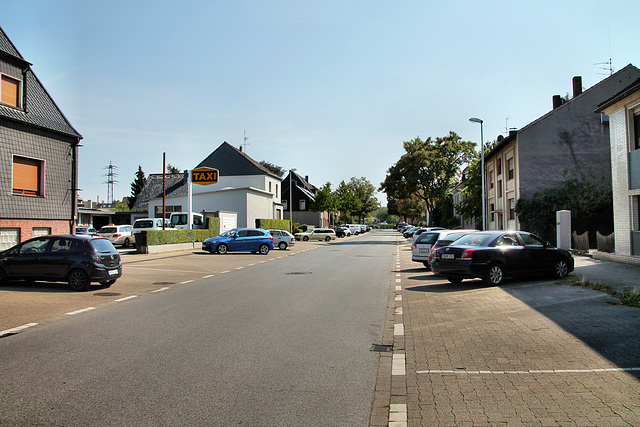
x=172, y=169
x=471, y=205
x=346, y=201
x=428, y=169
x=121, y=206
x=324, y=200
x=273, y=168
x=136, y=186
x=364, y=192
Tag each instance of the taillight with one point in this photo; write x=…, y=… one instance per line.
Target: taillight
x=467, y=254
x=414, y=245
x=271, y=238
x=117, y=235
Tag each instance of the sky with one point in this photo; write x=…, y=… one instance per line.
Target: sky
x=331, y=88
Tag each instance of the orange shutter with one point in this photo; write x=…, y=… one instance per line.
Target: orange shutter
x=9, y=91
x=26, y=176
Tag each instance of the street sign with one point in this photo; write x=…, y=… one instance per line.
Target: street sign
x=204, y=176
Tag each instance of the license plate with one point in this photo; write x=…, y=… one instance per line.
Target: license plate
x=113, y=272
x=423, y=250
x=448, y=256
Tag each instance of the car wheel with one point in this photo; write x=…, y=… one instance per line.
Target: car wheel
x=79, y=280
x=305, y=239
x=327, y=239
x=282, y=246
x=108, y=283
x=126, y=243
x=4, y=279
x=222, y=249
x=562, y=269
x=495, y=275
x=264, y=249
x=454, y=279
x=426, y=265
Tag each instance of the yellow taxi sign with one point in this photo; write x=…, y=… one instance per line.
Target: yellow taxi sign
x=204, y=176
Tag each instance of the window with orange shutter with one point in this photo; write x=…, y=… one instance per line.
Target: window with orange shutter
x=10, y=91
x=27, y=176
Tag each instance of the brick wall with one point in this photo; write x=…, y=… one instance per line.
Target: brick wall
x=26, y=226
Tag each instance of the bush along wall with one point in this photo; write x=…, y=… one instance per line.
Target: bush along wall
x=167, y=237
x=273, y=224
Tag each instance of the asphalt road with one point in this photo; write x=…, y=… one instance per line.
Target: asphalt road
x=276, y=340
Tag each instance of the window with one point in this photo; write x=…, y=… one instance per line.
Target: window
x=269, y=186
x=499, y=166
x=10, y=91
x=530, y=241
x=512, y=209
x=285, y=205
x=491, y=180
x=9, y=237
x=499, y=188
x=303, y=204
x=510, y=168
x=27, y=176
x=40, y=231
x=636, y=131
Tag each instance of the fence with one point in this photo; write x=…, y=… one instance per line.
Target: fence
x=581, y=241
x=605, y=243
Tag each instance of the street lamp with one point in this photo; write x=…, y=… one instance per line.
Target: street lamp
x=291, y=201
x=476, y=120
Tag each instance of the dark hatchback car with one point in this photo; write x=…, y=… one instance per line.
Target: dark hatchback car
x=494, y=255
x=78, y=260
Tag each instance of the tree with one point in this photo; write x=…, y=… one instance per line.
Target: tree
x=273, y=168
x=324, y=200
x=136, y=186
x=172, y=169
x=427, y=169
x=363, y=191
x=346, y=200
x=471, y=205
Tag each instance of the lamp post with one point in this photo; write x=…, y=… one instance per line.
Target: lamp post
x=291, y=201
x=476, y=120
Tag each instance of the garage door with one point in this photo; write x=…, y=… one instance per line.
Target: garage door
x=9, y=237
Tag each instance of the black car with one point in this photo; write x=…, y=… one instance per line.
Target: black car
x=339, y=231
x=78, y=260
x=494, y=255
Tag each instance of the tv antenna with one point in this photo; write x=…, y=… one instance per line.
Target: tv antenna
x=244, y=142
x=506, y=125
x=610, y=62
x=111, y=175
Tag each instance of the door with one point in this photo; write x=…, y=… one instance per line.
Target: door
x=57, y=259
x=538, y=258
x=239, y=243
x=25, y=262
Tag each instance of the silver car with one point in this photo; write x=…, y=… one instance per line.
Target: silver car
x=282, y=238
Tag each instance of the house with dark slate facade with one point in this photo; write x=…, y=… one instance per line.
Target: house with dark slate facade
x=301, y=193
x=38, y=155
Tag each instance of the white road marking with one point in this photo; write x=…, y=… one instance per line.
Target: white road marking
x=71, y=313
x=399, y=297
x=239, y=268
x=126, y=298
x=207, y=276
x=17, y=329
x=226, y=271
x=532, y=371
x=185, y=282
x=398, y=364
x=161, y=289
x=398, y=288
x=398, y=415
x=398, y=329
x=160, y=269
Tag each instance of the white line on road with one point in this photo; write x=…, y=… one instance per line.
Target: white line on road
x=161, y=289
x=397, y=415
x=239, y=268
x=398, y=364
x=160, y=269
x=532, y=371
x=71, y=313
x=126, y=298
x=17, y=329
x=226, y=271
x=207, y=276
x=398, y=329
x=398, y=288
x=185, y=282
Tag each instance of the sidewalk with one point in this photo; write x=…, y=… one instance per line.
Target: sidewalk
x=619, y=276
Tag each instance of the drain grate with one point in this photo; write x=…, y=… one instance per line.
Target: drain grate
x=381, y=348
x=163, y=283
x=107, y=294
x=297, y=273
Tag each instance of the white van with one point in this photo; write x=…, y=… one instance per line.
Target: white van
x=354, y=228
x=144, y=224
x=180, y=220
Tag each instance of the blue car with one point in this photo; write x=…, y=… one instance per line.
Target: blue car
x=240, y=240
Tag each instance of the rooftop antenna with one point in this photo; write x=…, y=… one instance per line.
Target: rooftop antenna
x=244, y=142
x=110, y=181
x=610, y=62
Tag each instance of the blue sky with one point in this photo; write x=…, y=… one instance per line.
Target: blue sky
x=331, y=88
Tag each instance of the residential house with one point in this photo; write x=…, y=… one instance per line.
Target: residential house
x=458, y=196
x=302, y=193
x=244, y=186
x=623, y=111
x=570, y=138
x=38, y=155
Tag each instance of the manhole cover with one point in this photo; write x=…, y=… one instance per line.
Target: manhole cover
x=381, y=348
x=163, y=283
x=297, y=273
x=107, y=294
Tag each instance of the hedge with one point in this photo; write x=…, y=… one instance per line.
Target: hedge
x=166, y=237
x=273, y=224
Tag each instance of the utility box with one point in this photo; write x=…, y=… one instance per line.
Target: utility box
x=563, y=229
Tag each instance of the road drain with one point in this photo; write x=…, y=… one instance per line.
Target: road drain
x=381, y=348
x=107, y=294
x=297, y=273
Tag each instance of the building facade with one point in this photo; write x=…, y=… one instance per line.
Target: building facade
x=38, y=155
x=302, y=194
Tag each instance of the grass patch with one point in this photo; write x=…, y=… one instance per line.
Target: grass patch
x=630, y=298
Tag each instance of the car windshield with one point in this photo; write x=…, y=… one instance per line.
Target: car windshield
x=180, y=219
x=428, y=238
x=473, y=239
x=108, y=230
x=229, y=233
x=102, y=245
x=145, y=223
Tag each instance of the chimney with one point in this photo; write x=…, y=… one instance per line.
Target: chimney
x=577, y=86
x=306, y=178
x=557, y=101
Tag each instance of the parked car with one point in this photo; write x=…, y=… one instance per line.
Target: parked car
x=347, y=231
x=353, y=228
x=325, y=234
x=78, y=260
x=86, y=231
x=421, y=230
x=145, y=224
x=240, y=240
x=282, y=238
x=421, y=247
x=118, y=234
x=446, y=238
x=339, y=232
x=409, y=231
x=494, y=255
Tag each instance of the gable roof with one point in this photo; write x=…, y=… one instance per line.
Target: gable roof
x=632, y=88
x=175, y=186
x=233, y=162
x=39, y=108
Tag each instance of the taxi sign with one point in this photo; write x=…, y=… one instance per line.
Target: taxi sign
x=204, y=176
